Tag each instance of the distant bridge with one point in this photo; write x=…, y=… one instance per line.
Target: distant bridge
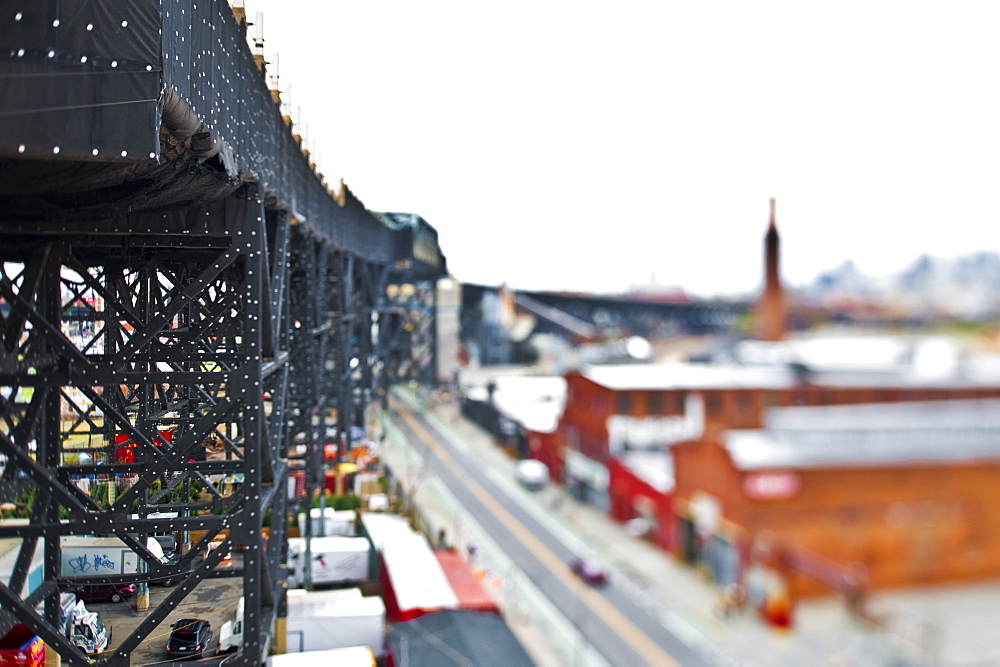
x=583, y=318
x=633, y=315
x=175, y=274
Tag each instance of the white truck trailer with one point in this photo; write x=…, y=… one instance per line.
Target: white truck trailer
x=351, y=656
x=332, y=560
x=87, y=556
x=333, y=619
x=335, y=522
x=321, y=620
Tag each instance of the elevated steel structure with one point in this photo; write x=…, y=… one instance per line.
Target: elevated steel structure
x=582, y=318
x=182, y=299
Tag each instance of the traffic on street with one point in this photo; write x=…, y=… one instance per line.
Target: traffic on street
x=601, y=608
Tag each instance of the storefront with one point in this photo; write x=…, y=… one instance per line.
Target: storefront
x=904, y=493
x=641, y=496
x=587, y=480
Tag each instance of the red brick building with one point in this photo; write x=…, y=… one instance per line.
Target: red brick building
x=904, y=493
x=838, y=461
x=619, y=435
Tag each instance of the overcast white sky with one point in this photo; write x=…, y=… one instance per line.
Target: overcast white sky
x=593, y=146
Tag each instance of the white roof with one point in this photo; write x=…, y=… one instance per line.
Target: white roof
x=383, y=529
x=330, y=513
x=535, y=402
x=677, y=375
x=838, y=361
x=349, y=655
x=958, y=414
x=314, y=604
x=331, y=544
x=830, y=352
x=654, y=468
x=301, y=595
x=416, y=575
x=870, y=435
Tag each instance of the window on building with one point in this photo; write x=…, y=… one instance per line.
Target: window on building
x=624, y=404
x=654, y=403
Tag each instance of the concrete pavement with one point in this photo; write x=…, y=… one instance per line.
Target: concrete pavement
x=942, y=626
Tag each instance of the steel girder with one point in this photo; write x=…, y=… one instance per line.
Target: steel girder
x=136, y=364
x=409, y=336
x=336, y=358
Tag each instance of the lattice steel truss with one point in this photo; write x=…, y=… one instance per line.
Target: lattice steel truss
x=134, y=364
x=343, y=329
x=148, y=355
x=169, y=331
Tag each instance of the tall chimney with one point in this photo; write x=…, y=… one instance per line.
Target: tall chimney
x=771, y=312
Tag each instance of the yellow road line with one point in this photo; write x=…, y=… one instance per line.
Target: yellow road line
x=642, y=644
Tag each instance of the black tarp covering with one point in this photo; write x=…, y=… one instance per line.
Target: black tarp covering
x=99, y=97
x=79, y=79
x=207, y=61
x=417, y=241
x=455, y=637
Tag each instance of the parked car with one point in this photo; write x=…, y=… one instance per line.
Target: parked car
x=103, y=592
x=590, y=571
x=532, y=474
x=190, y=637
x=169, y=558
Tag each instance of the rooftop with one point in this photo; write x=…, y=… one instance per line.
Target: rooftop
x=838, y=360
x=680, y=375
x=535, y=402
x=871, y=435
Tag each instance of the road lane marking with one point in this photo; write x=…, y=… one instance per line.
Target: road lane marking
x=613, y=618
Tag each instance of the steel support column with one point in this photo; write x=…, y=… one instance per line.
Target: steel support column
x=135, y=365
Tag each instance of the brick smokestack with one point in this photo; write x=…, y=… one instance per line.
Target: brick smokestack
x=771, y=313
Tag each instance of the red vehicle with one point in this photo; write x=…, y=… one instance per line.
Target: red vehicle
x=126, y=453
x=591, y=572
x=104, y=592
x=22, y=647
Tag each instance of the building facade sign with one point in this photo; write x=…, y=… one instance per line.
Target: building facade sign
x=656, y=433
x=771, y=485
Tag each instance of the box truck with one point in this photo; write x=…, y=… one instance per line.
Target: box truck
x=321, y=620
x=89, y=556
x=85, y=629
x=333, y=560
x=334, y=619
x=335, y=522
x=351, y=656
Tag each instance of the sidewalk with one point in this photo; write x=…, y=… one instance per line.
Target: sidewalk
x=945, y=626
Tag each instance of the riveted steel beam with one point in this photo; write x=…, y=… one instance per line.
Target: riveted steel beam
x=130, y=377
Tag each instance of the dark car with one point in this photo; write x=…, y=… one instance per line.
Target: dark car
x=190, y=638
x=591, y=572
x=170, y=558
x=104, y=592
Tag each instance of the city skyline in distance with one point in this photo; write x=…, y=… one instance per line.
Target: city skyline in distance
x=579, y=147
